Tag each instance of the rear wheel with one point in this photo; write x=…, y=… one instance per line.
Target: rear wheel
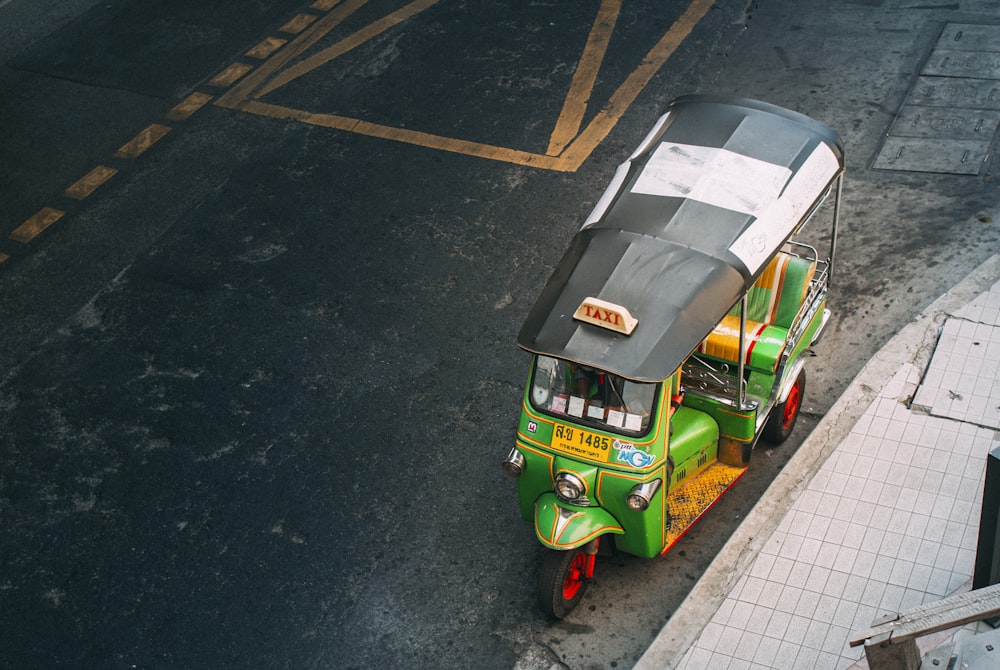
x=782, y=420
x=563, y=581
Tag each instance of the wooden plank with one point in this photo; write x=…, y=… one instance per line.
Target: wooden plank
x=952, y=612
x=882, y=654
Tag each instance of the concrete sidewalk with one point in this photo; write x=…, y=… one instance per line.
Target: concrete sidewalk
x=877, y=512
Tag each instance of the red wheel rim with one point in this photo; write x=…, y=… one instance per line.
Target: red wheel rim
x=792, y=405
x=574, y=576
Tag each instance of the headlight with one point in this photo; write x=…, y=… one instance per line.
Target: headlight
x=513, y=465
x=569, y=487
x=641, y=495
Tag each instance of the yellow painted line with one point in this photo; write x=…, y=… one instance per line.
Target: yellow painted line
x=188, y=106
x=143, y=141
x=324, y=5
x=90, y=182
x=30, y=229
x=565, y=153
x=428, y=140
x=266, y=48
x=584, y=77
x=298, y=23
x=241, y=91
x=3, y=257
x=343, y=46
x=626, y=94
x=229, y=75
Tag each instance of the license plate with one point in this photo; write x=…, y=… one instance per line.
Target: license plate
x=574, y=441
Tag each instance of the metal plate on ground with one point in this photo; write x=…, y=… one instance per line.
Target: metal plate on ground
x=955, y=91
x=970, y=37
x=955, y=63
x=946, y=122
x=952, y=111
x=917, y=154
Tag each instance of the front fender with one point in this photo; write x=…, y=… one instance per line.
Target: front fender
x=562, y=526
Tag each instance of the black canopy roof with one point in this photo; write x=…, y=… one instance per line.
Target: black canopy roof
x=686, y=226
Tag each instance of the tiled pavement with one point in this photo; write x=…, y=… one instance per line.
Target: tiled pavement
x=888, y=521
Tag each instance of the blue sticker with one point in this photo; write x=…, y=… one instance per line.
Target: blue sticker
x=627, y=453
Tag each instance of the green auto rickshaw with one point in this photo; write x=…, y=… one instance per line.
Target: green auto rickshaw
x=671, y=335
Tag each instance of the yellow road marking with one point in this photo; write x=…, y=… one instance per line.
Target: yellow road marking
x=188, y=106
x=568, y=147
x=626, y=94
x=239, y=93
x=266, y=48
x=584, y=77
x=30, y=229
x=346, y=44
x=229, y=75
x=298, y=23
x=143, y=141
x=428, y=140
x=89, y=182
x=567, y=150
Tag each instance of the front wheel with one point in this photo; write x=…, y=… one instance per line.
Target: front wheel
x=782, y=420
x=563, y=581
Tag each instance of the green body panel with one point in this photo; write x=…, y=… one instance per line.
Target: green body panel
x=759, y=387
x=562, y=526
x=732, y=423
x=537, y=477
x=808, y=335
x=694, y=444
x=697, y=426
x=644, y=531
x=608, y=483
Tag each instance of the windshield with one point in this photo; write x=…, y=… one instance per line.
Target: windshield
x=593, y=396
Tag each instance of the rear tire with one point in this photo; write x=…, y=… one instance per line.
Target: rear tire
x=782, y=420
x=562, y=581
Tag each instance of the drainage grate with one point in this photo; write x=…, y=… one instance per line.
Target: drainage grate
x=953, y=110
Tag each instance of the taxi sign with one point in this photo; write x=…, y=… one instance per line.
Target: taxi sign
x=606, y=315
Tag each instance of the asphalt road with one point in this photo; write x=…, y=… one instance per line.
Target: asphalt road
x=257, y=384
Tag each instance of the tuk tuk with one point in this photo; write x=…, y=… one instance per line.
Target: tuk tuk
x=671, y=335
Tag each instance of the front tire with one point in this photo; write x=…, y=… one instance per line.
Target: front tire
x=782, y=420
x=562, y=581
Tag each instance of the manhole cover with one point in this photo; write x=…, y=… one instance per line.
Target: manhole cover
x=915, y=154
x=952, y=111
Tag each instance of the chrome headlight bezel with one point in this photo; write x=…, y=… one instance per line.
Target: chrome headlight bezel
x=513, y=465
x=569, y=487
x=641, y=495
